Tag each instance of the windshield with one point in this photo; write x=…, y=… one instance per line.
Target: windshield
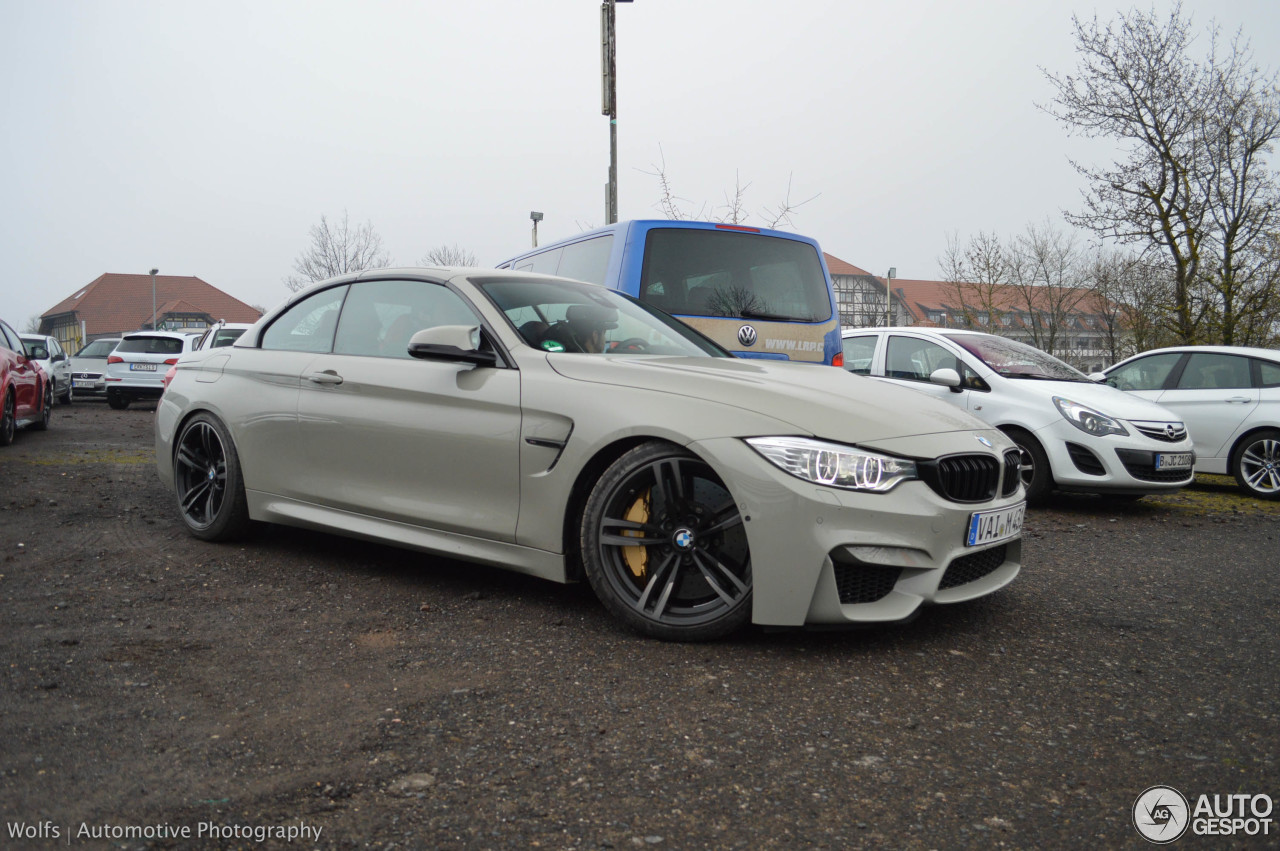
x=225, y=337
x=1012, y=359
x=565, y=316
x=98, y=349
x=696, y=272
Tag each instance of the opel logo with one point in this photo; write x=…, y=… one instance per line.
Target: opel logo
x=1171, y=430
x=747, y=335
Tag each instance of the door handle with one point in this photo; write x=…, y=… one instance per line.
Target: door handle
x=326, y=377
x=1238, y=399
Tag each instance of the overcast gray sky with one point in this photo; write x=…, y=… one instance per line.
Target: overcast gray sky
x=207, y=138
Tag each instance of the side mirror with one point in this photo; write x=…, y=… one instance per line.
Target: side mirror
x=947, y=377
x=1100, y=377
x=59, y=357
x=451, y=343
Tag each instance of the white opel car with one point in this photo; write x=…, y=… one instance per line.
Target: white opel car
x=1229, y=397
x=1075, y=434
x=46, y=351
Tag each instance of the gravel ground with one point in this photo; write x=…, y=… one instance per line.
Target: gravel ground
x=392, y=700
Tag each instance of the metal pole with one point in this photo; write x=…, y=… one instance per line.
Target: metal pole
x=888, y=296
x=609, y=44
x=153, y=298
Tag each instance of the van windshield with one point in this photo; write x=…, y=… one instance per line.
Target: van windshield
x=699, y=272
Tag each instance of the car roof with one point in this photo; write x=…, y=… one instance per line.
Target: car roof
x=929, y=331
x=1251, y=351
x=180, y=335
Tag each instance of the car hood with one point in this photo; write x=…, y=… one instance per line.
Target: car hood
x=823, y=401
x=1105, y=399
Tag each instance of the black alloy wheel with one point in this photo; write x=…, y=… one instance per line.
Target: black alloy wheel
x=8, y=418
x=206, y=472
x=664, y=546
x=46, y=412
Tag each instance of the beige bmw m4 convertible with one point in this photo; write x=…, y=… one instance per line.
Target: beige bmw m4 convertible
x=565, y=430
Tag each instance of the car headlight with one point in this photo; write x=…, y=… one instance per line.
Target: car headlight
x=1087, y=419
x=833, y=464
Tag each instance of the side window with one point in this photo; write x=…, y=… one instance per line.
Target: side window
x=587, y=260
x=380, y=317
x=1269, y=373
x=916, y=360
x=546, y=263
x=858, y=352
x=1211, y=371
x=308, y=326
x=1145, y=373
x=10, y=340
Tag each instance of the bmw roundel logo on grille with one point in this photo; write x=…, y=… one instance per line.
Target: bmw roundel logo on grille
x=747, y=335
x=985, y=442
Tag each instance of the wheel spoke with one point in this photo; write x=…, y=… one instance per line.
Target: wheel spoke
x=187, y=459
x=654, y=580
x=191, y=497
x=668, y=485
x=714, y=571
x=652, y=534
x=724, y=519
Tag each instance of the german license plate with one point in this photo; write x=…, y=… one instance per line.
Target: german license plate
x=83, y=382
x=989, y=527
x=1173, y=460
x=142, y=367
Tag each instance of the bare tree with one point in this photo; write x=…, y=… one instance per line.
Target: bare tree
x=32, y=325
x=1044, y=273
x=977, y=277
x=449, y=255
x=1193, y=185
x=734, y=209
x=337, y=249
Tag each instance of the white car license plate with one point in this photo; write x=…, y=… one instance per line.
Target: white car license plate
x=83, y=382
x=989, y=527
x=142, y=367
x=1173, y=460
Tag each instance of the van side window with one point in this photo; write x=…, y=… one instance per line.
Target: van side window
x=545, y=263
x=587, y=260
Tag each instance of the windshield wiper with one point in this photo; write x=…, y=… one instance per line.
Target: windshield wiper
x=1037, y=376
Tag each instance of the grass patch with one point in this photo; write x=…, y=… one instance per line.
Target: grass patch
x=1210, y=494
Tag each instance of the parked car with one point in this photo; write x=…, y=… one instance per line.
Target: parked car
x=1075, y=434
x=136, y=367
x=1229, y=397
x=222, y=334
x=47, y=352
x=459, y=412
x=89, y=366
x=26, y=393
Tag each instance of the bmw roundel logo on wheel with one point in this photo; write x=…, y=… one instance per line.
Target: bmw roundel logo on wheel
x=747, y=335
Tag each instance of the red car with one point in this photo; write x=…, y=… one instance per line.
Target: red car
x=26, y=395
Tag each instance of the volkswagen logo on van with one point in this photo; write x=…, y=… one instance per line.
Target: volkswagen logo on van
x=747, y=335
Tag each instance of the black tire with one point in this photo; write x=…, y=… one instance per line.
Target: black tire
x=1037, y=478
x=70, y=396
x=8, y=418
x=1256, y=464
x=116, y=401
x=46, y=410
x=207, y=480
x=687, y=576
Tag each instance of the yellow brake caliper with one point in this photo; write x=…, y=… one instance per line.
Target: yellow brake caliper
x=637, y=558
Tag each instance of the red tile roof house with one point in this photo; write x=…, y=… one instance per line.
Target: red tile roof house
x=115, y=304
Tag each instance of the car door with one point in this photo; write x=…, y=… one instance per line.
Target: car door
x=427, y=442
x=910, y=360
x=24, y=374
x=1213, y=395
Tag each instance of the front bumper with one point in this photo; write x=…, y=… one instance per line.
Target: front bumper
x=1111, y=464
x=829, y=556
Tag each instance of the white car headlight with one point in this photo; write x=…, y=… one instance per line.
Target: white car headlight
x=1087, y=419
x=833, y=464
